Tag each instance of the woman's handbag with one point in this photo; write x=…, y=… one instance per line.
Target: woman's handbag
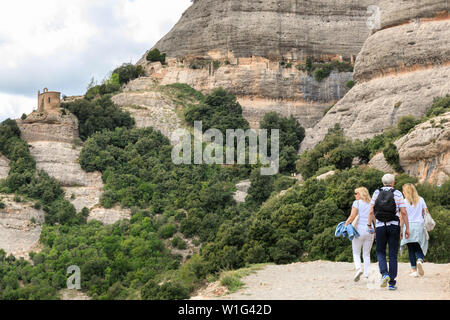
x=356, y=220
x=429, y=222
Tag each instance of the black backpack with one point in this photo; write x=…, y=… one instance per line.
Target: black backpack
x=385, y=208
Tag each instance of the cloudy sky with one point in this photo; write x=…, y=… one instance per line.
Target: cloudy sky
x=63, y=44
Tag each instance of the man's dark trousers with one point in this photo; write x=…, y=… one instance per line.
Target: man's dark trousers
x=388, y=235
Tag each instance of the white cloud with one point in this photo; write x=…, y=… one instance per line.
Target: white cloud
x=62, y=44
x=13, y=106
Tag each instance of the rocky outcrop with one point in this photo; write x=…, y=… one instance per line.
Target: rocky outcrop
x=399, y=72
x=253, y=48
x=20, y=227
x=261, y=86
x=400, y=12
x=4, y=167
x=149, y=108
x=425, y=152
x=273, y=29
x=379, y=162
x=242, y=191
x=109, y=216
x=52, y=144
x=49, y=127
x=60, y=160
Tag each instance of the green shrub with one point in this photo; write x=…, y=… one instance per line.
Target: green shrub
x=128, y=72
x=285, y=251
x=179, y=243
x=392, y=157
x=167, y=231
x=322, y=73
x=220, y=110
x=439, y=251
x=291, y=136
x=156, y=55
x=97, y=115
x=406, y=123
x=439, y=106
x=350, y=84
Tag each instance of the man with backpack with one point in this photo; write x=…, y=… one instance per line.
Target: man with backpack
x=388, y=213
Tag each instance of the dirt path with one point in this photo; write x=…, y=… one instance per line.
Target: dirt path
x=322, y=280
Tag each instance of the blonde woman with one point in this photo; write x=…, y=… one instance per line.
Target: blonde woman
x=361, y=208
x=417, y=242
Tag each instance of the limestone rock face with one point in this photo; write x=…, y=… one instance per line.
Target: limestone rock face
x=395, y=12
x=242, y=191
x=263, y=86
x=109, y=216
x=252, y=48
x=399, y=71
x=288, y=28
x=20, y=227
x=149, y=108
x=49, y=127
x=406, y=48
x=373, y=106
x=425, y=152
x=60, y=160
x=52, y=146
x=4, y=167
x=379, y=162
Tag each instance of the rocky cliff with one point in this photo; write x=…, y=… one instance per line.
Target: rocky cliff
x=55, y=145
x=4, y=167
x=424, y=152
x=20, y=227
x=399, y=71
x=289, y=29
x=253, y=48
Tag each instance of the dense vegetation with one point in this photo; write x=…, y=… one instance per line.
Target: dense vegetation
x=172, y=203
x=120, y=76
x=337, y=151
x=220, y=110
x=98, y=114
x=25, y=180
x=300, y=225
x=291, y=136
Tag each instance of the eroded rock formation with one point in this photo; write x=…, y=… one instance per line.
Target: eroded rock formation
x=149, y=107
x=56, y=147
x=287, y=29
x=399, y=71
x=424, y=152
x=252, y=48
x=20, y=227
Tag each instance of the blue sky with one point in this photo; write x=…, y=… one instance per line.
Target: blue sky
x=63, y=44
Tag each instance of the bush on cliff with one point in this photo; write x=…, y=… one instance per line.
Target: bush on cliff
x=97, y=115
x=156, y=55
x=220, y=110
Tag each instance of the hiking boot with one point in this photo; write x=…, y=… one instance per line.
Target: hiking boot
x=357, y=275
x=420, y=267
x=392, y=287
x=385, y=280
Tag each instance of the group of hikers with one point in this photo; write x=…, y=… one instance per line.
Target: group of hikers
x=394, y=220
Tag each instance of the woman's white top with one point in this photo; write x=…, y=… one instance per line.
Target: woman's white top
x=363, y=212
x=415, y=213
